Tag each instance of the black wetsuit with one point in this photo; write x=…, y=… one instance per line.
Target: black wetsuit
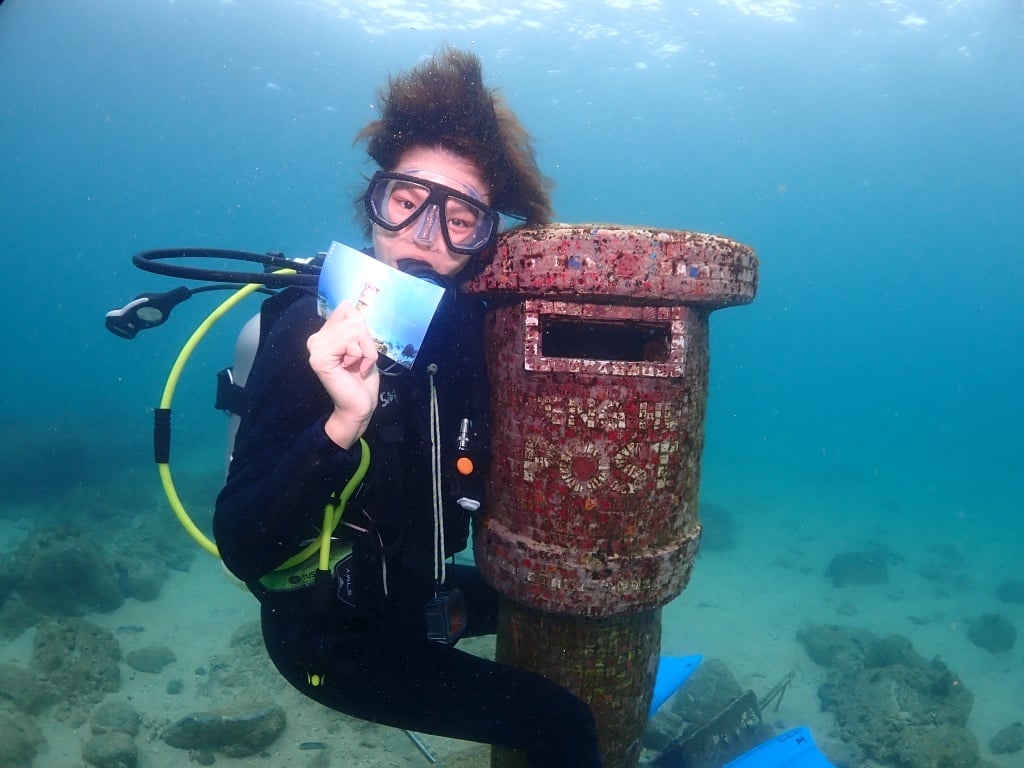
x=373, y=660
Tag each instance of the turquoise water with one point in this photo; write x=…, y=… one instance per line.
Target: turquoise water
x=872, y=153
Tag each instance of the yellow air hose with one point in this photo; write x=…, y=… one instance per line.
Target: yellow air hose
x=332, y=512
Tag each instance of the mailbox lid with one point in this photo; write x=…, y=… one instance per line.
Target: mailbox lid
x=601, y=262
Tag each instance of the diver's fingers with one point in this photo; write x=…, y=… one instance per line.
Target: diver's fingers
x=343, y=340
x=368, y=349
x=359, y=353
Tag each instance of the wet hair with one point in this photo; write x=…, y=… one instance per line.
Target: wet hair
x=444, y=104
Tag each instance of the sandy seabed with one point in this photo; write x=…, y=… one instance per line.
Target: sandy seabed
x=743, y=606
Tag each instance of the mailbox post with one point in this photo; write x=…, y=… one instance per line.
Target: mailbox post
x=598, y=357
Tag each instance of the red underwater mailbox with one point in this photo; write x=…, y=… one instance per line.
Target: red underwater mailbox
x=598, y=360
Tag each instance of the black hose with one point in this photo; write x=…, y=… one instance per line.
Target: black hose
x=156, y=261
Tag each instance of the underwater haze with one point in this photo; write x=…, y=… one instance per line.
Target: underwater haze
x=872, y=152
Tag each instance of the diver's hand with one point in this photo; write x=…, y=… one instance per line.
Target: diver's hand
x=343, y=356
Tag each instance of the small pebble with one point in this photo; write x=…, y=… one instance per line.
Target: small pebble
x=152, y=658
x=1008, y=740
x=174, y=687
x=205, y=758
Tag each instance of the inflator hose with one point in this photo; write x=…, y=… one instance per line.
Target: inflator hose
x=162, y=446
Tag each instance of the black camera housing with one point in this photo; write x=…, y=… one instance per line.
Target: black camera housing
x=445, y=617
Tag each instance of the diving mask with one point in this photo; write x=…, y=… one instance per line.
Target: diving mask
x=396, y=200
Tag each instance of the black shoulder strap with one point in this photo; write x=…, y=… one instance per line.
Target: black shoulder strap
x=230, y=396
x=275, y=306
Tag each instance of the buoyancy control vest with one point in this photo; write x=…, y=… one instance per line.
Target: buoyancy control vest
x=397, y=545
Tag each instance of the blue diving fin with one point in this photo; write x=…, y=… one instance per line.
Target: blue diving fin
x=673, y=671
x=792, y=749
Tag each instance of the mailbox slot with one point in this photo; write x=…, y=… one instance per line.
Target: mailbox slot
x=604, y=338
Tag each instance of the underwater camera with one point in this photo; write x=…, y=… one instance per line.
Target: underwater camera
x=445, y=617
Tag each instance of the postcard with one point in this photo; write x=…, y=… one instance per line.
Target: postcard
x=398, y=307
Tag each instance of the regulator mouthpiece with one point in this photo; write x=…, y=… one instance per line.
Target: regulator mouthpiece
x=424, y=272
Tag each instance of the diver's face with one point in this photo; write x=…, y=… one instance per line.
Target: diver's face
x=426, y=244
